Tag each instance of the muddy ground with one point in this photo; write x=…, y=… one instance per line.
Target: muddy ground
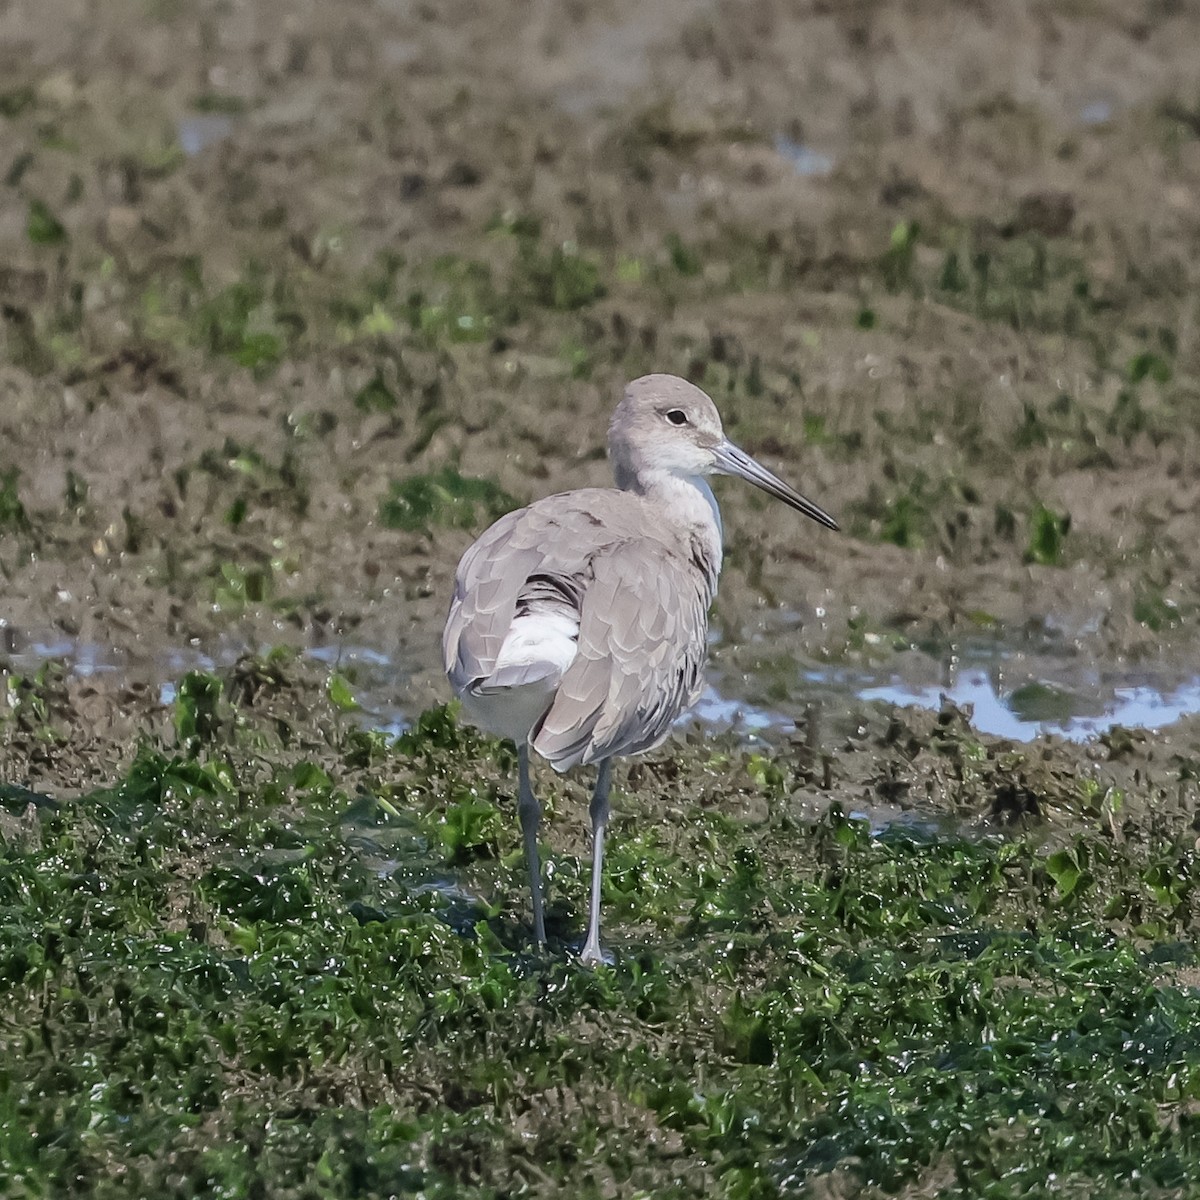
x=936, y=263
x=294, y=298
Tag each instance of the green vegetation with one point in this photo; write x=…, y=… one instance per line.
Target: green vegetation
x=1042, y=702
x=12, y=511
x=900, y=525
x=1152, y=609
x=562, y=279
x=922, y=508
x=460, y=303
x=263, y=965
x=684, y=260
x=1047, y=533
x=236, y=586
x=250, y=947
x=256, y=484
x=446, y=498
x=43, y=227
x=897, y=262
x=1014, y=276
x=250, y=322
x=375, y=396
x=464, y=300
x=15, y=101
x=222, y=104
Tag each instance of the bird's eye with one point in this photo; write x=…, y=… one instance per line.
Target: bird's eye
x=677, y=416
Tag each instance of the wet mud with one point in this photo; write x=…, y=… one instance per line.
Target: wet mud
x=259, y=270
x=294, y=300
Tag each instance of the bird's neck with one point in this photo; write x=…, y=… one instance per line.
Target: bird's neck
x=687, y=502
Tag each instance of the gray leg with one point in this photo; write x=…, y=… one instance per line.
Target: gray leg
x=530, y=813
x=592, y=954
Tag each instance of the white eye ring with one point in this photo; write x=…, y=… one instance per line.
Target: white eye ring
x=676, y=416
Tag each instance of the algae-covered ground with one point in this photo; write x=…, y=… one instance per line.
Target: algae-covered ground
x=284, y=956
x=295, y=299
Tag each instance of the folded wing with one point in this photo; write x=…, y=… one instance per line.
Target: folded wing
x=641, y=608
x=639, y=661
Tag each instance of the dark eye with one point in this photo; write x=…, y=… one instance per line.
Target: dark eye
x=677, y=416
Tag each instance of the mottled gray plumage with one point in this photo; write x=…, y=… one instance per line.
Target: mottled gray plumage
x=579, y=624
x=641, y=601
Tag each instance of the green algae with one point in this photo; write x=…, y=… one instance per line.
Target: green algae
x=375, y=396
x=42, y=227
x=444, y=498
x=13, y=515
x=288, y=959
x=1047, y=534
x=251, y=321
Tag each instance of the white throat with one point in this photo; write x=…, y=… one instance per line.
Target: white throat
x=701, y=485
x=688, y=501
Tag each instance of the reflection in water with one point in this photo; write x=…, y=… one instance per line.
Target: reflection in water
x=804, y=159
x=1009, y=694
x=714, y=709
x=1096, y=112
x=200, y=130
x=1133, y=707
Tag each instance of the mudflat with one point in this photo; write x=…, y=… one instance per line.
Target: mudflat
x=295, y=299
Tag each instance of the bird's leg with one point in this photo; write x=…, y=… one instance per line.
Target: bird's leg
x=530, y=813
x=592, y=954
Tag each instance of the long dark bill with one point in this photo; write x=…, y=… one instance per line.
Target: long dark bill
x=730, y=460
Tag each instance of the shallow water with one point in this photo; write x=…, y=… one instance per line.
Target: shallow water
x=804, y=159
x=197, y=131
x=1135, y=703
x=1007, y=690
x=1029, y=688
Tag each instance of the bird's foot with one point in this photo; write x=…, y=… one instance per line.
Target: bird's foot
x=592, y=955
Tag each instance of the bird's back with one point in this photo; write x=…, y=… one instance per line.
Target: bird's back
x=619, y=599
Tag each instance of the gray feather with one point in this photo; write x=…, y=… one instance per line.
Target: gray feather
x=642, y=610
x=640, y=660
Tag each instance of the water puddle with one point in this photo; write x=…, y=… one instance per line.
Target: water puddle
x=719, y=711
x=1009, y=691
x=197, y=131
x=1038, y=708
x=1099, y=111
x=804, y=159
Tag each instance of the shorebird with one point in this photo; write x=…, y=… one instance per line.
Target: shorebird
x=579, y=624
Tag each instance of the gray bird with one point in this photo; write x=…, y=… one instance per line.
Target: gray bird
x=579, y=625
